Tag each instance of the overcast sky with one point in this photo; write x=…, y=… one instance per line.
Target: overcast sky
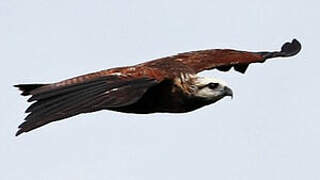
x=270, y=130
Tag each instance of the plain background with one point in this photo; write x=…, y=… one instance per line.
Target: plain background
x=270, y=130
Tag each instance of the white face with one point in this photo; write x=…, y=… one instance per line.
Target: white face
x=211, y=88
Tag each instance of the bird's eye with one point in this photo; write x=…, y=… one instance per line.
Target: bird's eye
x=213, y=85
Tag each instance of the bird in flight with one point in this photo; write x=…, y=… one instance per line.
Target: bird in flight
x=165, y=85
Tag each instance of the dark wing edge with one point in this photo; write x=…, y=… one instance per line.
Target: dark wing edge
x=54, y=103
x=225, y=59
x=288, y=49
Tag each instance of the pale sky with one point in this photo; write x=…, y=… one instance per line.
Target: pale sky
x=270, y=130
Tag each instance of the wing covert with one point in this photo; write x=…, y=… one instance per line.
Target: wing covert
x=225, y=59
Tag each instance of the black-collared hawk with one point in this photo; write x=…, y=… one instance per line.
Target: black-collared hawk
x=165, y=85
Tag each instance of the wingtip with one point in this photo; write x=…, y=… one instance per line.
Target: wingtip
x=288, y=49
x=20, y=87
x=291, y=48
x=19, y=132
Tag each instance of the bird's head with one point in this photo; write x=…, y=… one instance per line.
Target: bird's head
x=211, y=89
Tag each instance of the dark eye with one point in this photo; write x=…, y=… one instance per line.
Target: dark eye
x=213, y=85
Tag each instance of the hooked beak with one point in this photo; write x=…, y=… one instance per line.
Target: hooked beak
x=228, y=92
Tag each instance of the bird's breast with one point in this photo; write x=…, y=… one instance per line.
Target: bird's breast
x=166, y=97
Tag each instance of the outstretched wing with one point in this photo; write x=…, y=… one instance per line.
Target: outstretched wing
x=225, y=59
x=80, y=95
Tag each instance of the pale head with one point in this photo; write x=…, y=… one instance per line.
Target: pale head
x=211, y=89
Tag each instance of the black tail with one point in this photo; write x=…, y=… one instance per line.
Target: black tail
x=287, y=49
x=27, y=88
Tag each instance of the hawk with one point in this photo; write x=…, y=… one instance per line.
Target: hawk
x=165, y=85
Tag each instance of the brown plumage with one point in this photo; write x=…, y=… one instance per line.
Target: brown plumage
x=167, y=84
